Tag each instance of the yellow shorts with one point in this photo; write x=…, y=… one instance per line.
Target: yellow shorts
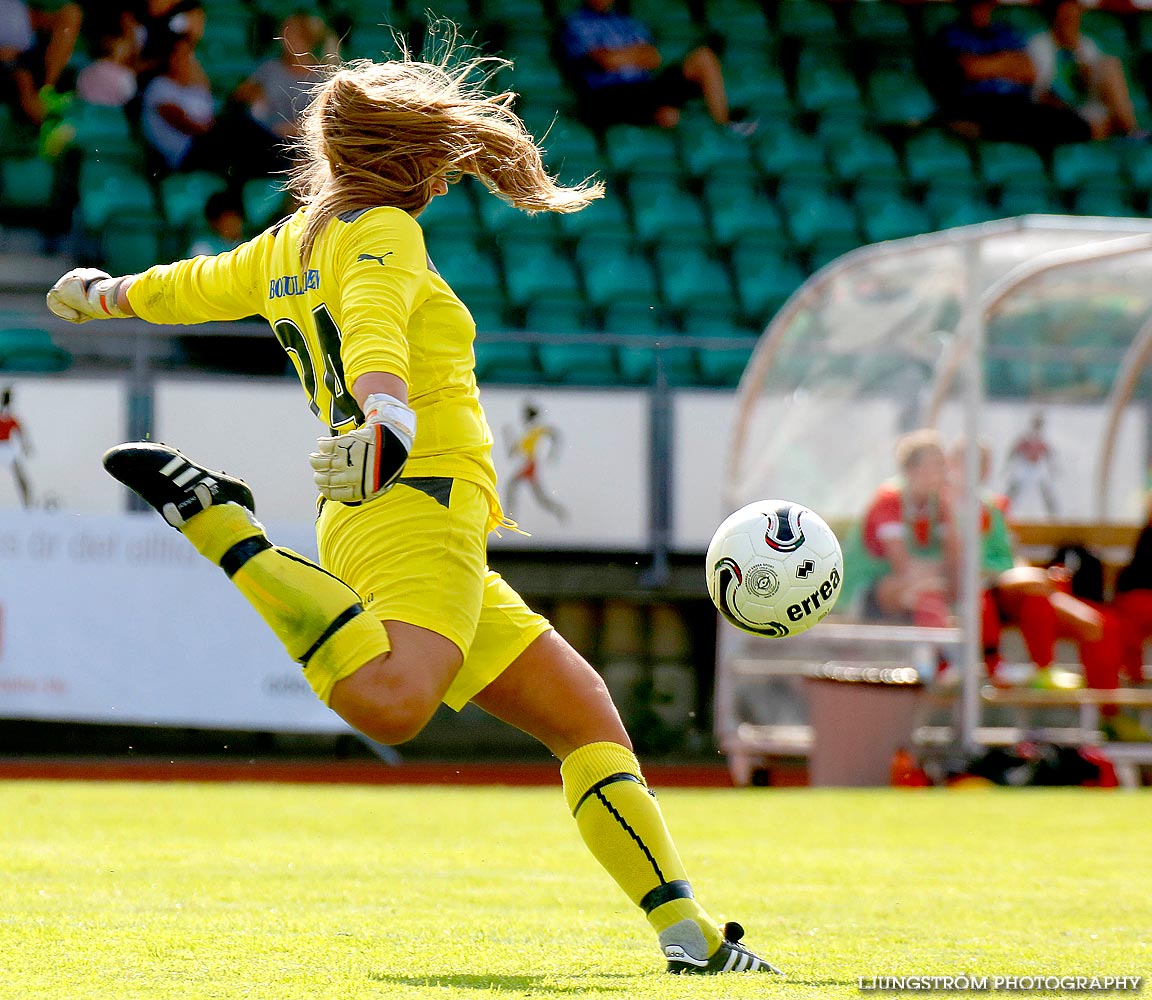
x=419, y=555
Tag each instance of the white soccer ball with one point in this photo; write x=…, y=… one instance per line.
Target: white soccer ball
x=774, y=568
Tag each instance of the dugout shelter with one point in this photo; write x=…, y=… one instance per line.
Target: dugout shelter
x=991, y=332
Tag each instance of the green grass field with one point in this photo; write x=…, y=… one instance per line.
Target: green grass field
x=118, y=891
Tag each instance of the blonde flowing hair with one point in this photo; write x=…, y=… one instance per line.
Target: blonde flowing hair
x=383, y=133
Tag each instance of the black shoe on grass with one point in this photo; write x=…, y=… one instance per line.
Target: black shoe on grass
x=731, y=956
x=172, y=483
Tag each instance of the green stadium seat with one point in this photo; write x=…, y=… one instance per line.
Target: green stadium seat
x=637, y=365
x=714, y=147
x=27, y=183
x=130, y=243
x=1088, y=164
x=1026, y=19
x=583, y=364
x=824, y=251
x=538, y=271
x=757, y=84
x=809, y=20
x=453, y=213
x=892, y=219
x=506, y=360
x=1138, y=165
x=265, y=201
x=951, y=205
x=31, y=350
x=607, y=216
x=1028, y=197
x=818, y=216
x=690, y=278
x=547, y=317
x=740, y=19
x=721, y=366
x=660, y=211
x=615, y=271
x=932, y=157
x=896, y=99
x=857, y=156
x=783, y=151
x=878, y=22
x=183, y=196
x=822, y=84
x=632, y=147
x=1098, y=202
x=1005, y=162
x=757, y=216
x=99, y=130
x=508, y=224
x=765, y=281
x=114, y=193
x=472, y=273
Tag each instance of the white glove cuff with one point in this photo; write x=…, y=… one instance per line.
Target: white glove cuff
x=103, y=293
x=381, y=408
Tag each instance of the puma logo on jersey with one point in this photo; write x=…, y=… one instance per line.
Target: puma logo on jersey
x=372, y=256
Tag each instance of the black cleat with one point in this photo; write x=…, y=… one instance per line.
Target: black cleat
x=172, y=483
x=731, y=956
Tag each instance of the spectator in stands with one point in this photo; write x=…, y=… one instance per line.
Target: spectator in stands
x=279, y=90
x=224, y=213
x=14, y=447
x=1072, y=74
x=178, y=114
x=180, y=126
x=983, y=77
x=110, y=79
x=620, y=77
x=904, y=556
x=36, y=43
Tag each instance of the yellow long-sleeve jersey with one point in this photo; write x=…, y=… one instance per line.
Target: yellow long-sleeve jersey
x=369, y=301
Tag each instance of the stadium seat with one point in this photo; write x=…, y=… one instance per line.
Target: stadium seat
x=932, y=157
x=472, y=273
x=183, y=196
x=1088, y=164
x=690, y=278
x=116, y=192
x=782, y=151
x=505, y=360
x=27, y=183
x=1029, y=196
x=507, y=225
x=101, y=131
x=1107, y=30
x=896, y=99
x=721, y=365
x=754, y=81
x=812, y=215
x=130, y=243
x=537, y=271
x=637, y=365
x=713, y=147
x=661, y=211
x=822, y=83
x=1100, y=202
x=632, y=147
x=757, y=217
x=892, y=219
x=855, y=156
x=31, y=350
x=878, y=22
x=604, y=216
x=809, y=20
x=265, y=201
x=585, y=364
x=615, y=272
x=546, y=317
x=765, y=281
x=1006, y=162
x=453, y=214
x=951, y=205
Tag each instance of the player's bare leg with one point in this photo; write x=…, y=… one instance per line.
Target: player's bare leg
x=551, y=692
x=702, y=67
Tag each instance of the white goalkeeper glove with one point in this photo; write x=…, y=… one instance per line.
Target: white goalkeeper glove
x=86, y=293
x=363, y=464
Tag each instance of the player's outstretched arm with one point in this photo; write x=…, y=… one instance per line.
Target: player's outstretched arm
x=86, y=293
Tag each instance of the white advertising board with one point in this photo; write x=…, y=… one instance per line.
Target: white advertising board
x=116, y=619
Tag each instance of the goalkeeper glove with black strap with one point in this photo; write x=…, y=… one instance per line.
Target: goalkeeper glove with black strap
x=365, y=463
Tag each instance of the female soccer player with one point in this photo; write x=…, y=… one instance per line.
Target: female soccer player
x=405, y=613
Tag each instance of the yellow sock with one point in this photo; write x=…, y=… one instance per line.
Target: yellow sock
x=625, y=831
x=315, y=615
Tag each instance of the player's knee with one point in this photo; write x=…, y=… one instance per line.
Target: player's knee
x=389, y=706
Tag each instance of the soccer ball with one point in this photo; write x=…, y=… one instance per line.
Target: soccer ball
x=774, y=568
